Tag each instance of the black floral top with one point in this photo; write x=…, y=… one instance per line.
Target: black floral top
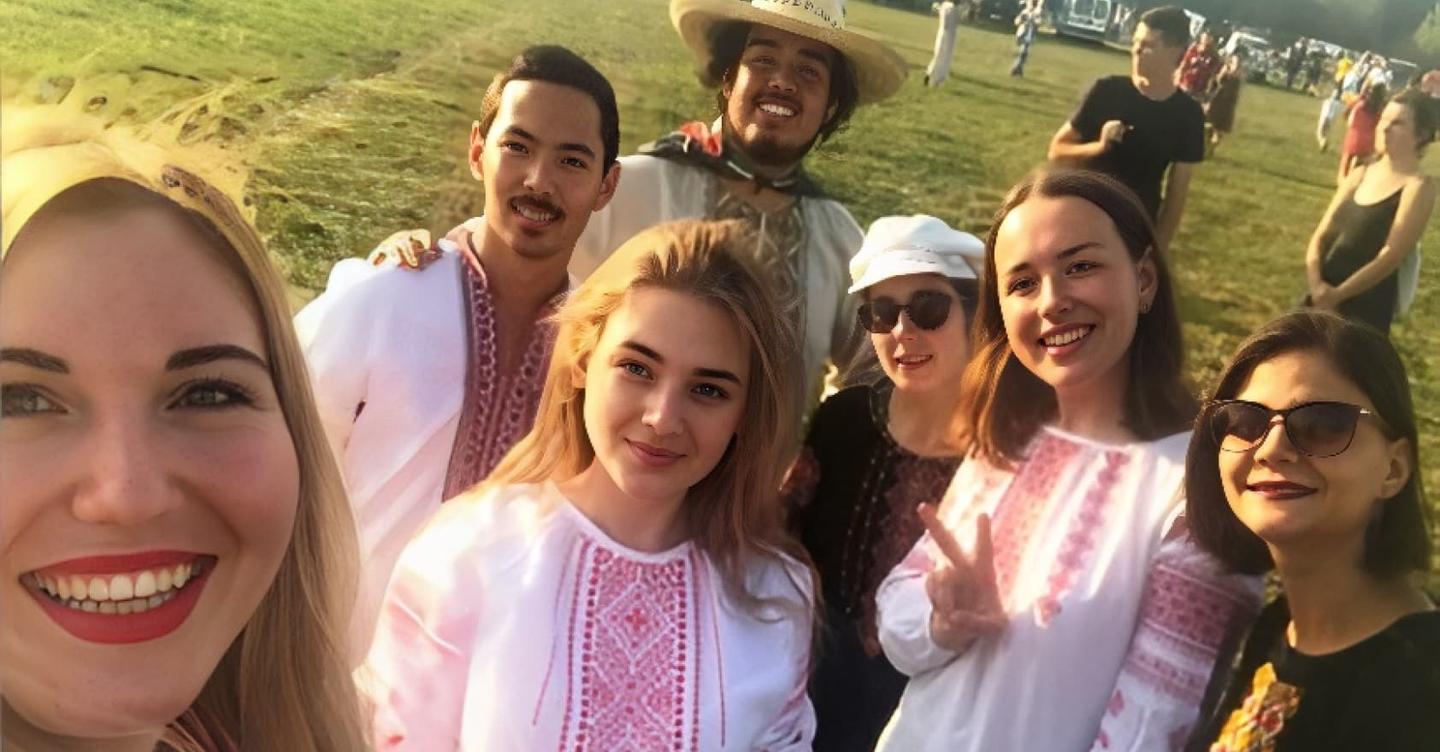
x=1380, y=695
x=852, y=495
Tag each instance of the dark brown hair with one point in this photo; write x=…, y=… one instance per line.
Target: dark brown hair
x=1398, y=540
x=727, y=44
x=1172, y=23
x=557, y=65
x=1004, y=404
x=1426, y=111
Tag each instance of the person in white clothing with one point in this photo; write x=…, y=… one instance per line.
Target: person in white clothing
x=949, y=22
x=1055, y=602
x=623, y=580
x=425, y=379
x=787, y=76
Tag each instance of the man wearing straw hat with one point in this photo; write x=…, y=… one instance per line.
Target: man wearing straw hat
x=787, y=74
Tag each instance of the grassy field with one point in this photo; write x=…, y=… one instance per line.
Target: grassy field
x=353, y=115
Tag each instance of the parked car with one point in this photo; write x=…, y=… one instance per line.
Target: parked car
x=998, y=11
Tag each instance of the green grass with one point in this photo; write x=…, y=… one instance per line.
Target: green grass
x=353, y=118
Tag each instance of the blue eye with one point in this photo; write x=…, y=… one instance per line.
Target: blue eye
x=635, y=369
x=22, y=400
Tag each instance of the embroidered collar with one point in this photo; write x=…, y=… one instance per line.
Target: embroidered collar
x=706, y=146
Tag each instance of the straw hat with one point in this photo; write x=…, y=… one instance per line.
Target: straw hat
x=879, y=71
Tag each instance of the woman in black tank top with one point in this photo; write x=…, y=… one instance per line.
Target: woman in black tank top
x=1376, y=218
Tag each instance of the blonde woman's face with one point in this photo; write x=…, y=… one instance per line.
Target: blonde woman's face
x=150, y=483
x=664, y=393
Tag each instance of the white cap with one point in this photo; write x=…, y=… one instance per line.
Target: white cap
x=919, y=244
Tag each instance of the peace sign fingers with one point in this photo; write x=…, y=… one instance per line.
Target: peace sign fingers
x=964, y=597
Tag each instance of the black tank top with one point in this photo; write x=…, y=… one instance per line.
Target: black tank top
x=1356, y=235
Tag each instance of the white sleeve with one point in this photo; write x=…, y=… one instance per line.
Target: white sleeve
x=416, y=673
x=1188, y=608
x=793, y=728
x=904, y=611
x=335, y=336
x=641, y=200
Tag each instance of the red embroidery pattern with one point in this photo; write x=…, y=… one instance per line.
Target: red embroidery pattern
x=1079, y=540
x=499, y=408
x=1026, y=502
x=636, y=658
x=1184, y=616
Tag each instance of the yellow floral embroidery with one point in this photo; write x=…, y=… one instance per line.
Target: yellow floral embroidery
x=1254, y=726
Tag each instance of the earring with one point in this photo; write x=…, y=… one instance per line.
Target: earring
x=1145, y=308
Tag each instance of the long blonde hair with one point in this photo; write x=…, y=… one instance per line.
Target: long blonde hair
x=734, y=513
x=284, y=683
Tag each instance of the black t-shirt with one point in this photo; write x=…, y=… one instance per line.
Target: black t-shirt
x=1172, y=130
x=1379, y=695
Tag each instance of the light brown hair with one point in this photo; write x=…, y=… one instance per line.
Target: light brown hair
x=734, y=513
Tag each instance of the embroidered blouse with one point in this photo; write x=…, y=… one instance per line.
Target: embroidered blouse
x=415, y=404
x=1109, y=615
x=514, y=623
x=852, y=494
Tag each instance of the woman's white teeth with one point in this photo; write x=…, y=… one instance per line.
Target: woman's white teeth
x=1065, y=338
x=775, y=109
x=133, y=606
x=121, y=593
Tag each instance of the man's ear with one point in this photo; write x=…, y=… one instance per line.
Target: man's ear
x=476, y=152
x=608, y=184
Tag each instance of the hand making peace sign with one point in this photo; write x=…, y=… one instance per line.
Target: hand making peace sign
x=963, y=594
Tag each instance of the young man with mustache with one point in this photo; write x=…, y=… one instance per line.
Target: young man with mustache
x=424, y=379
x=788, y=74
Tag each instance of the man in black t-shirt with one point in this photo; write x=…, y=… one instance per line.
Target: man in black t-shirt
x=1135, y=128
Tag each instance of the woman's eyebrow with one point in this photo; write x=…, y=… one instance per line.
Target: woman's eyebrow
x=26, y=356
x=197, y=356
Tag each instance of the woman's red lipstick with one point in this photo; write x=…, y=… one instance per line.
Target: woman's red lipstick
x=150, y=595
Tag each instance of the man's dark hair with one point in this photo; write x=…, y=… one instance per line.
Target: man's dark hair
x=557, y=65
x=1171, y=22
x=727, y=44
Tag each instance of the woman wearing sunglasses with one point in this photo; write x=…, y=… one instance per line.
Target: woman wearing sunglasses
x=1306, y=461
x=1087, y=617
x=875, y=451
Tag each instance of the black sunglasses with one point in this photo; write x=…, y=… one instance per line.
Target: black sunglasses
x=1315, y=429
x=928, y=309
